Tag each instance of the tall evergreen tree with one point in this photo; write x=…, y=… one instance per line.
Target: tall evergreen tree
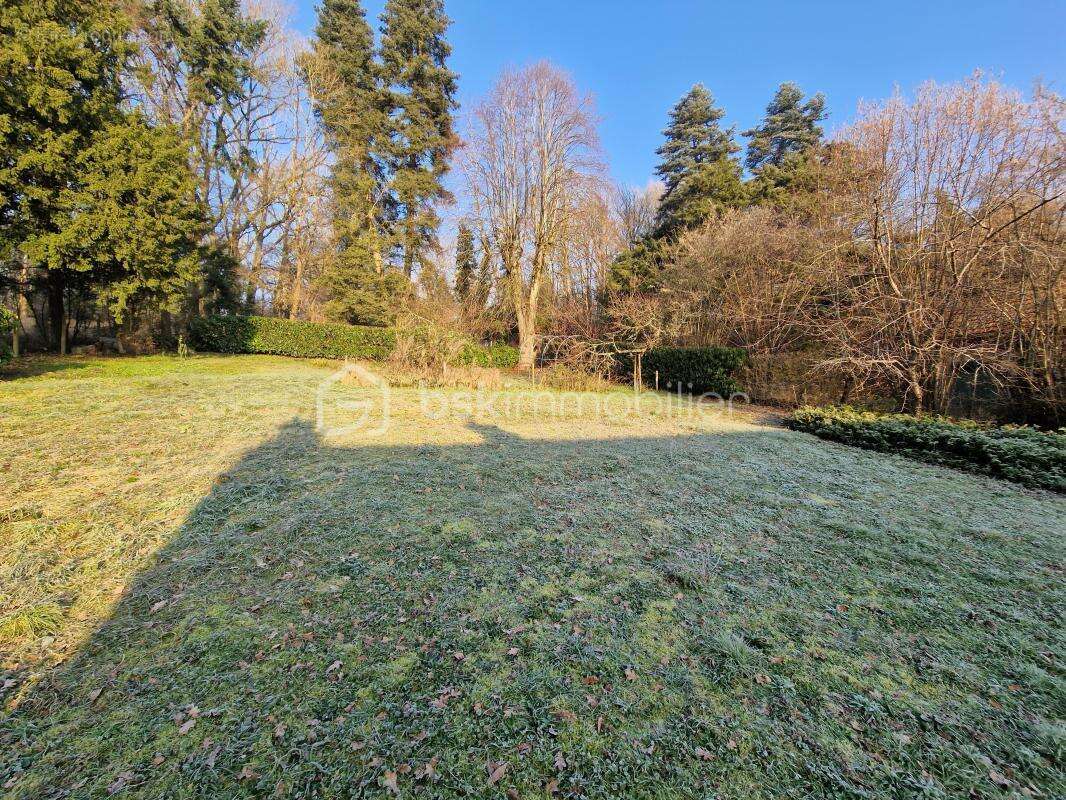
x=352, y=108
x=698, y=168
x=131, y=224
x=465, y=263
x=421, y=89
x=60, y=61
x=790, y=127
x=92, y=197
x=783, y=150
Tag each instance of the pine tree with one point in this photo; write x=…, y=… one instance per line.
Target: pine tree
x=783, y=150
x=421, y=91
x=352, y=108
x=465, y=264
x=790, y=127
x=698, y=168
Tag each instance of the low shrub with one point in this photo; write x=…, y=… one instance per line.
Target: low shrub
x=285, y=337
x=698, y=370
x=419, y=347
x=1020, y=454
x=8, y=321
x=499, y=356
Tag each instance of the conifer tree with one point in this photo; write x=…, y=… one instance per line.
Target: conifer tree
x=61, y=61
x=790, y=127
x=92, y=196
x=421, y=91
x=465, y=263
x=782, y=150
x=698, y=168
x=352, y=108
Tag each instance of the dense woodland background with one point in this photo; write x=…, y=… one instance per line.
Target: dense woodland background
x=164, y=160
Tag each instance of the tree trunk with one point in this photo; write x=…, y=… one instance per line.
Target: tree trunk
x=57, y=313
x=297, y=289
x=527, y=344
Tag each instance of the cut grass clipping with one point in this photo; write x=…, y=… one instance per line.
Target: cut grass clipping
x=619, y=603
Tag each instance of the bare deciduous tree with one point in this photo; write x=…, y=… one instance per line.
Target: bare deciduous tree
x=957, y=209
x=531, y=144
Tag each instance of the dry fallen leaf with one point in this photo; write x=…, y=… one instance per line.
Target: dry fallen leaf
x=120, y=782
x=560, y=762
x=247, y=773
x=388, y=780
x=631, y=674
x=157, y=606
x=704, y=753
x=187, y=726
x=496, y=772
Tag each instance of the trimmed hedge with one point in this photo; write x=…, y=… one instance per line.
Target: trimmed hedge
x=8, y=321
x=286, y=337
x=1019, y=454
x=698, y=370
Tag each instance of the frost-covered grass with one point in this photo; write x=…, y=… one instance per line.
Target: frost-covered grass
x=200, y=596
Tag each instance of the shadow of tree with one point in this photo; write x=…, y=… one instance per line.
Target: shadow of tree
x=638, y=617
x=35, y=366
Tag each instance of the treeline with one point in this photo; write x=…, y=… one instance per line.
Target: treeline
x=915, y=260
x=169, y=159
x=166, y=160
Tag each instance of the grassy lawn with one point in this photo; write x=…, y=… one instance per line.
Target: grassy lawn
x=201, y=596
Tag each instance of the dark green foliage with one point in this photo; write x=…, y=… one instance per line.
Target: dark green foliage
x=789, y=128
x=1023, y=455
x=284, y=337
x=131, y=219
x=697, y=370
x=420, y=91
x=351, y=106
x=8, y=321
x=783, y=152
x=637, y=269
x=698, y=167
x=501, y=356
x=360, y=295
x=60, y=61
x=465, y=263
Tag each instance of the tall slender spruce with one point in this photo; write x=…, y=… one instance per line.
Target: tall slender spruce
x=421, y=97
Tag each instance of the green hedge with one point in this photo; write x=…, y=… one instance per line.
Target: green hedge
x=698, y=370
x=8, y=321
x=1023, y=455
x=285, y=337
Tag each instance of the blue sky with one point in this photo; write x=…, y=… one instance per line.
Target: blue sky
x=638, y=58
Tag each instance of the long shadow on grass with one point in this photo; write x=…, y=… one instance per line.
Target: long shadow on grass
x=676, y=616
